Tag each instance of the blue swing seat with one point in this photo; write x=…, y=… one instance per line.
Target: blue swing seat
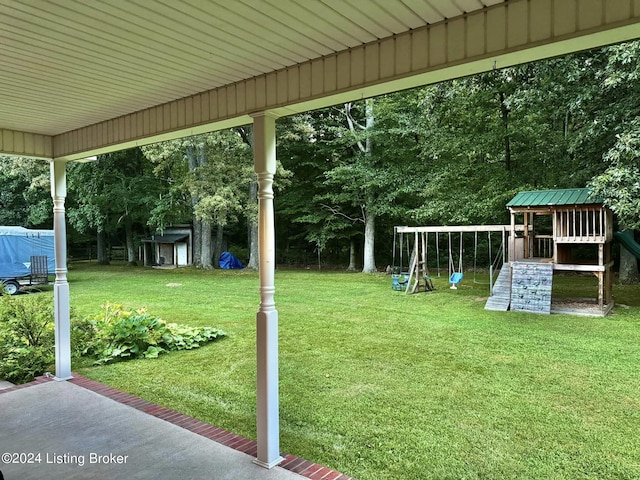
x=399, y=281
x=456, y=278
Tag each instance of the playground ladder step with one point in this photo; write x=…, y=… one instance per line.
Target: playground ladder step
x=501, y=298
x=498, y=304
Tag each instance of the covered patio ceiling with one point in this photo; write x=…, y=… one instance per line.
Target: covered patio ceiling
x=67, y=64
x=79, y=78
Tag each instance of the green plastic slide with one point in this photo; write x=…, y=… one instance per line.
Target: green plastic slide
x=628, y=242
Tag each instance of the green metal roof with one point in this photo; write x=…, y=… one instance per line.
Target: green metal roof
x=545, y=198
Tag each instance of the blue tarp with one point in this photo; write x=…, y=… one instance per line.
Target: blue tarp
x=229, y=261
x=18, y=245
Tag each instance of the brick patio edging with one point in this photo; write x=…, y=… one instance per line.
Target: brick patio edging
x=302, y=467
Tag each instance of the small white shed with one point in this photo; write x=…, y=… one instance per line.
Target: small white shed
x=172, y=247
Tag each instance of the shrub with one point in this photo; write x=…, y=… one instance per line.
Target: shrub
x=122, y=334
x=240, y=252
x=27, y=345
x=26, y=337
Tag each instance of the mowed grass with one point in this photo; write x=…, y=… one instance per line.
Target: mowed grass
x=380, y=385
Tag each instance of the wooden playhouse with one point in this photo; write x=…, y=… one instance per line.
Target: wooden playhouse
x=564, y=231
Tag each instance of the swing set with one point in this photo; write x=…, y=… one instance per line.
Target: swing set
x=414, y=241
x=418, y=271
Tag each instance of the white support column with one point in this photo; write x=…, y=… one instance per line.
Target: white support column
x=61, y=287
x=268, y=422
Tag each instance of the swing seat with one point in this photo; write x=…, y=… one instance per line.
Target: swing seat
x=455, y=279
x=399, y=281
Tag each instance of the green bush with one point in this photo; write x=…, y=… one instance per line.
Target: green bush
x=239, y=252
x=27, y=345
x=26, y=337
x=121, y=334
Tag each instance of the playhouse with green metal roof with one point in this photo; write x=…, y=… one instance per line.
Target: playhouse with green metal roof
x=565, y=230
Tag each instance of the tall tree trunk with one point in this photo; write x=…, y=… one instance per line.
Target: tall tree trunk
x=206, y=254
x=197, y=242
x=369, y=250
x=369, y=218
x=628, y=268
x=352, y=256
x=206, y=247
x=369, y=126
x=217, y=248
x=253, y=228
x=131, y=250
x=252, y=219
x=102, y=256
x=193, y=160
x=367, y=149
x=505, y=122
x=253, y=246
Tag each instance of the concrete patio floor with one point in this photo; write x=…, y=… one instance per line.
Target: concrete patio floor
x=74, y=430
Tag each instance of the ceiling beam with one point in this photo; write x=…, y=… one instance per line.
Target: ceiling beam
x=26, y=144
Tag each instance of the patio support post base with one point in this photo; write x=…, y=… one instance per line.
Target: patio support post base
x=267, y=407
x=269, y=466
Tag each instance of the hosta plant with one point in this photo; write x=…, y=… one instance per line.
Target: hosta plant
x=121, y=334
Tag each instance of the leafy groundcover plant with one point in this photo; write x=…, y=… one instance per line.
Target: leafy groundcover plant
x=27, y=336
x=116, y=334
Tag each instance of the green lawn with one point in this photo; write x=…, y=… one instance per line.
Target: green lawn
x=380, y=385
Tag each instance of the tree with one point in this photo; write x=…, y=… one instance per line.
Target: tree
x=111, y=196
x=619, y=184
x=618, y=102
x=306, y=149
x=221, y=183
x=613, y=133
x=540, y=125
x=25, y=197
x=353, y=185
x=368, y=208
x=246, y=133
x=215, y=171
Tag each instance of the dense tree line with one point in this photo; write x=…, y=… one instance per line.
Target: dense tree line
x=451, y=153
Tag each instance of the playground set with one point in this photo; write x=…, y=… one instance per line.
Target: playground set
x=550, y=231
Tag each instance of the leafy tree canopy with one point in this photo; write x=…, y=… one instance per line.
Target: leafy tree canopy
x=25, y=198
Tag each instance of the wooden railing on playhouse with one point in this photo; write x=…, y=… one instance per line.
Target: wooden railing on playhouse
x=583, y=225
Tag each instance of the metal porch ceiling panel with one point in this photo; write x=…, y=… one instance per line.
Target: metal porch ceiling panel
x=65, y=64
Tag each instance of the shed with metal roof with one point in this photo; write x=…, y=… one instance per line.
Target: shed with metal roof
x=172, y=247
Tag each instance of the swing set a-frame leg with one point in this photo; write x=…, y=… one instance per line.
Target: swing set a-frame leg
x=412, y=272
